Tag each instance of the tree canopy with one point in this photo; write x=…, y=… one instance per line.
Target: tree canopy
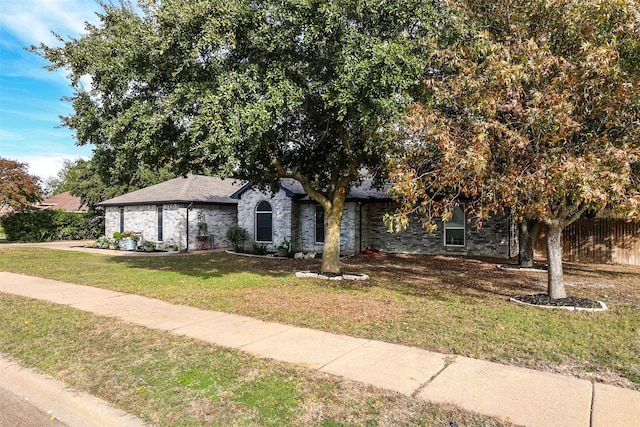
x=534, y=112
x=305, y=89
x=18, y=188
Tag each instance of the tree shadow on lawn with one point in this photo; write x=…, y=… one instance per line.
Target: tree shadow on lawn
x=438, y=276
x=215, y=265
x=424, y=276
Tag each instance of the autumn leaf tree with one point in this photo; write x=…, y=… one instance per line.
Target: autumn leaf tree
x=18, y=188
x=302, y=89
x=535, y=113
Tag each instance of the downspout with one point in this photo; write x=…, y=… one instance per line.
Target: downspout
x=188, y=209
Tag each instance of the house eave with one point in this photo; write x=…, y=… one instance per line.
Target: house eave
x=168, y=202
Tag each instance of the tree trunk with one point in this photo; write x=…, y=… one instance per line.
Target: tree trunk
x=527, y=233
x=331, y=247
x=555, y=283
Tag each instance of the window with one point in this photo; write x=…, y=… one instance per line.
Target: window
x=121, y=219
x=159, y=210
x=264, y=222
x=454, y=228
x=319, y=224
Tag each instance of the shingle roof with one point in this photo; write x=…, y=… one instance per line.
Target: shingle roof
x=363, y=192
x=192, y=188
x=63, y=201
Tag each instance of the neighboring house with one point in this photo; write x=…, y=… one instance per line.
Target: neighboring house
x=64, y=202
x=170, y=212
x=291, y=214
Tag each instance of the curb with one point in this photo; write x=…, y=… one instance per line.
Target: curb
x=58, y=400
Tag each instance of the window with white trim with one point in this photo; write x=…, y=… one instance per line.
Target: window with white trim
x=454, y=229
x=264, y=222
x=319, y=226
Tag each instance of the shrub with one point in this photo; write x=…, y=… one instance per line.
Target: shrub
x=259, y=249
x=50, y=225
x=237, y=236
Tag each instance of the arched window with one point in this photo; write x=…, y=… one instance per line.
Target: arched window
x=454, y=229
x=264, y=222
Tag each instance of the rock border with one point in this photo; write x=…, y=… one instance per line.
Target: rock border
x=344, y=276
x=509, y=267
x=256, y=256
x=603, y=306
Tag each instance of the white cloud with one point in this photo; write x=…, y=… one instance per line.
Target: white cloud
x=32, y=21
x=47, y=166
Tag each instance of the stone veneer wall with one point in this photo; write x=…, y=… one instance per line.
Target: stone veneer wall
x=491, y=240
x=281, y=209
x=305, y=229
x=144, y=219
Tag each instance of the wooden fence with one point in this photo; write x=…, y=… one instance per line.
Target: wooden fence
x=597, y=241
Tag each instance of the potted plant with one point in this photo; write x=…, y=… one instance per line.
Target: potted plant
x=283, y=248
x=203, y=228
x=102, y=242
x=171, y=247
x=114, y=244
x=129, y=240
x=149, y=246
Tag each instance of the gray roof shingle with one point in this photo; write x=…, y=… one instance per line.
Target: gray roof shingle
x=363, y=192
x=192, y=188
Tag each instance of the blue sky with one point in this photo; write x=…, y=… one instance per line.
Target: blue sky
x=30, y=103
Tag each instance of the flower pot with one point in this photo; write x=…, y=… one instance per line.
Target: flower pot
x=282, y=252
x=128, y=243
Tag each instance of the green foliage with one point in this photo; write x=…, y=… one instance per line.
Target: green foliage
x=259, y=249
x=48, y=225
x=237, y=236
x=262, y=90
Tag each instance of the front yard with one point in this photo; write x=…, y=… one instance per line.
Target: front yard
x=443, y=304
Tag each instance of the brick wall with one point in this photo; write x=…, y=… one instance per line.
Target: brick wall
x=491, y=240
x=306, y=228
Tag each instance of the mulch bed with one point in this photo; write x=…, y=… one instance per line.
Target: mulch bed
x=546, y=300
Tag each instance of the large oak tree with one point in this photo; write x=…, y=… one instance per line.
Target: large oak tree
x=535, y=112
x=303, y=89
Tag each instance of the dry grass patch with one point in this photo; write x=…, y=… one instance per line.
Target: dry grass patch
x=451, y=305
x=174, y=381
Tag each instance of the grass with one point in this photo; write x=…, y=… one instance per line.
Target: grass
x=174, y=381
x=448, y=305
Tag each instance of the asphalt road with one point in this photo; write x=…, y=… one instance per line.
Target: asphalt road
x=17, y=412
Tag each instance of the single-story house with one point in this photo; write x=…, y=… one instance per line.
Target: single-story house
x=290, y=214
x=63, y=201
x=173, y=212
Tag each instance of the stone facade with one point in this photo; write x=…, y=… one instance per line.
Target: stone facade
x=295, y=219
x=281, y=207
x=493, y=239
x=144, y=219
x=306, y=235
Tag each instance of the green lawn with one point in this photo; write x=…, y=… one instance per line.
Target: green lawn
x=449, y=305
x=174, y=381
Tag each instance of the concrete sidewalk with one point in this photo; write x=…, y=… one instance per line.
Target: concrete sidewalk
x=518, y=395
